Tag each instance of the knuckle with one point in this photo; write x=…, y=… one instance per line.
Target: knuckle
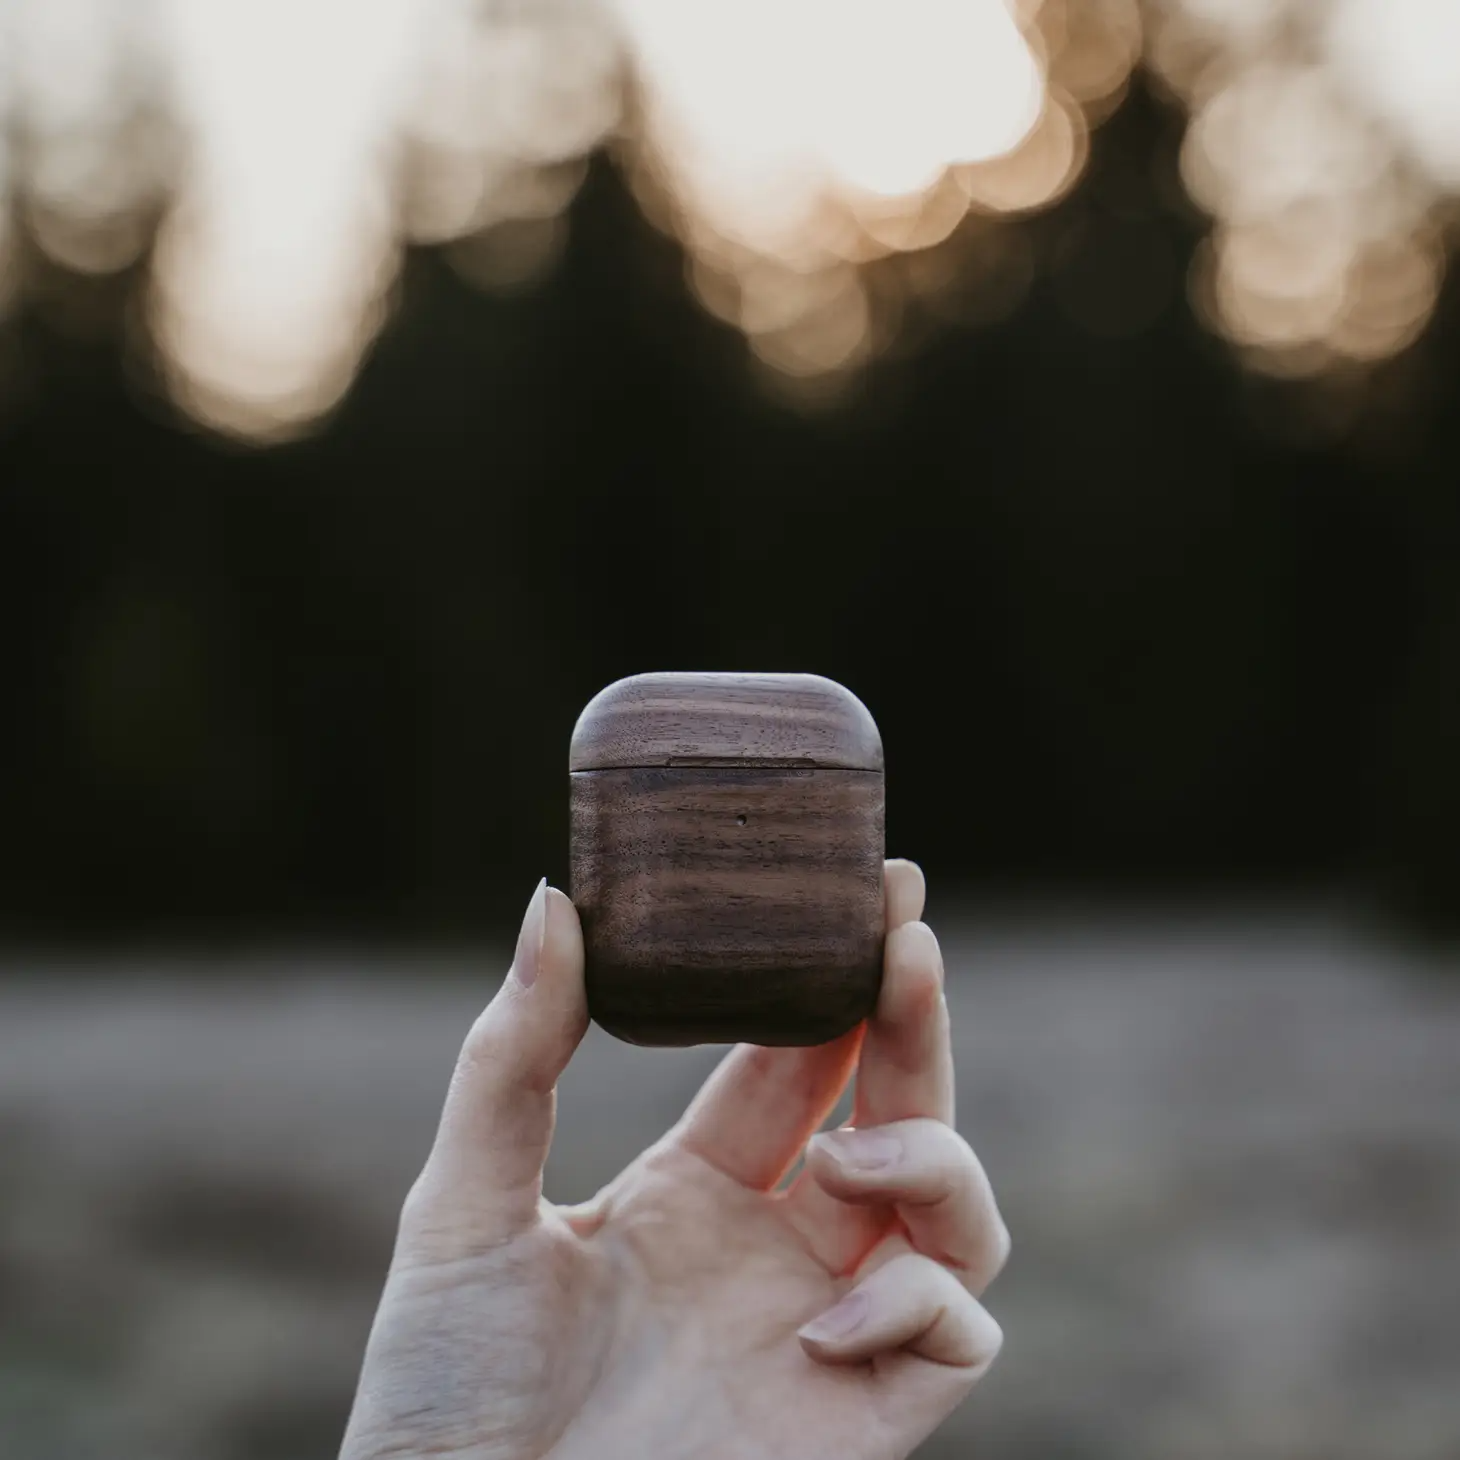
x=980, y=1337
x=418, y=1211
x=908, y=1275
x=481, y=1039
x=489, y=1059
x=912, y=953
x=949, y=1160
x=1000, y=1245
x=936, y=1146
x=954, y=1149
x=990, y=1341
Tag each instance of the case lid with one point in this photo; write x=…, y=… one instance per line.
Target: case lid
x=715, y=719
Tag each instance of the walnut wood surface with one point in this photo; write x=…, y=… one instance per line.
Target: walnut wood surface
x=724, y=904
x=702, y=719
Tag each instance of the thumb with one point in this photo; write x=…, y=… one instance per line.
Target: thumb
x=483, y=1179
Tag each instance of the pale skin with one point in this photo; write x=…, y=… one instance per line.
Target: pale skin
x=699, y=1305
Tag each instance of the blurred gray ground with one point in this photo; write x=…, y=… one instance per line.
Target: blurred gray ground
x=1229, y=1151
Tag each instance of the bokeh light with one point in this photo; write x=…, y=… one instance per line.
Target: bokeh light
x=275, y=156
x=792, y=146
x=1324, y=140
x=275, y=254
x=91, y=144
x=831, y=166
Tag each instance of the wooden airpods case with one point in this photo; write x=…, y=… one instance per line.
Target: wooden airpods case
x=727, y=846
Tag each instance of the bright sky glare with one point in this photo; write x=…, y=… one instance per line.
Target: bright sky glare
x=292, y=148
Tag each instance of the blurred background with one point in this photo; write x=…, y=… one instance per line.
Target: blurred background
x=1076, y=380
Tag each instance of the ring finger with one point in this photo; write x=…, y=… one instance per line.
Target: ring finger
x=926, y=1170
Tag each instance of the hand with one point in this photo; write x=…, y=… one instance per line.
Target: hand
x=692, y=1308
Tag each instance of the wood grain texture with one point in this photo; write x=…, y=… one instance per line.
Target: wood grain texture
x=722, y=904
x=704, y=719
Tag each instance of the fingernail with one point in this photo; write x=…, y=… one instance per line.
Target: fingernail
x=527, y=960
x=864, y=1150
x=841, y=1319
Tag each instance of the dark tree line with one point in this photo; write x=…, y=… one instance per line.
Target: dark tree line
x=1131, y=620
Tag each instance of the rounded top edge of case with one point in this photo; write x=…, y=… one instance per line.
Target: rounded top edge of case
x=672, y=718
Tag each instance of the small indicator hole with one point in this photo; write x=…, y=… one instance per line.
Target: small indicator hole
x=739, y=821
